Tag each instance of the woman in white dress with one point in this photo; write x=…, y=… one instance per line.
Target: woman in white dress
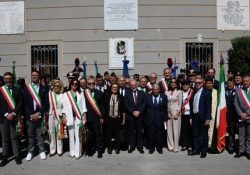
x=74, y=116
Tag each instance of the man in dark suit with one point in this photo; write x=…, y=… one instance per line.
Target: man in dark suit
x=231, y=115
x=122, y=89
x=95, y=115
x=156, y=112
x=135, y=106
x=211, y=74
x=8, y=118
x=36, y=104
x=200, y=109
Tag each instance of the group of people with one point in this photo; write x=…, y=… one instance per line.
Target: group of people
x=116, y=113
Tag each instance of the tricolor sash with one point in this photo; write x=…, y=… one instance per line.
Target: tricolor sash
x=164, y=85
x=245, y=97
x=74, y=104
x=190, y=93
x=92, y=102
x=34, y=95
x=8, y=97
x=53, y=99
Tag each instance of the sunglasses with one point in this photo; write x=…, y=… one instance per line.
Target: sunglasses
x=56, y=85
x=75, y=84
x=91, y=83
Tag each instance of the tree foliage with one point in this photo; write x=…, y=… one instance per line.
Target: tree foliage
x=239, y=55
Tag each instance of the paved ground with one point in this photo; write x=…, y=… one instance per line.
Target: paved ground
x=132, y=164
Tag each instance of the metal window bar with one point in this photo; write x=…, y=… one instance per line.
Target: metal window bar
x=201, y=52
x=44, y=58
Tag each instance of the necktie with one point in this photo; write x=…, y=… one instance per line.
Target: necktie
x=155, y=100
x=135, y=97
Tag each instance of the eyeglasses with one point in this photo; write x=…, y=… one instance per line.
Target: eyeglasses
x=75, y=84
x=56, y=85
x=173, y=82
x=91, y=83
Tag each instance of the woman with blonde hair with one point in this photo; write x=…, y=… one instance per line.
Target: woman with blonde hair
x=55, y=118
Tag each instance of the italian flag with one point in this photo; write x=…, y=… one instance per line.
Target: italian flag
x=221, y=122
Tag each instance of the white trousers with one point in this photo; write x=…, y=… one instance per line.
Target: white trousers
x=75, y=148
x=55, y=144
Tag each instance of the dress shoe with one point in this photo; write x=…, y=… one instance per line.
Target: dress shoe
x=52, y=154
x=3, y=162
x=117, y=151
x=109, y=151
x=141, y=151
x=99, y=155
x=150, y=151
x=18, y=160
x=238, y=155
x=203, y=155
x=230, y=151
x=183, y=149
x=193, y=153
x=131, y=150
x=60, y=155
x=160, y=151
x=248, y=156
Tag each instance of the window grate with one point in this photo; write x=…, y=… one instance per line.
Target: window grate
x=202, y=53
x=44, y=58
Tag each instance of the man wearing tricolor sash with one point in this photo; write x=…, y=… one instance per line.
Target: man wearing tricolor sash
x=36, y=103
x=164, y=83
x=74, y=116
x=95, y=115
x=242, y=105
x=10, y=106
x=56, y=127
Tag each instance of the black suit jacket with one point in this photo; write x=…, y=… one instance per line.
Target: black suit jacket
x=29, y=105
x=232, y=115
x=205, y=105
x=156, y=114
x=216, y=84
x=130, y=105
x=91, y=114
x=4, y=107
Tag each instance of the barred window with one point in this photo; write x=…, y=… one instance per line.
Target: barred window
x=200, y=54
x=44, y=58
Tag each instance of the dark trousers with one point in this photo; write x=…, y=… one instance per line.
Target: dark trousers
x=155, y=137
x=97, y=138
x=200, y=135
x=113, y=131
x=8, y=133
x=231, y=135
x=35, y=130
x=244, y=137
x=135, y=133
x=186, y=132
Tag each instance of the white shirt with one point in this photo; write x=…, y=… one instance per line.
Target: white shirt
x=157, y=98
x=196, y=101
x=187, y=106
x=122, y=91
